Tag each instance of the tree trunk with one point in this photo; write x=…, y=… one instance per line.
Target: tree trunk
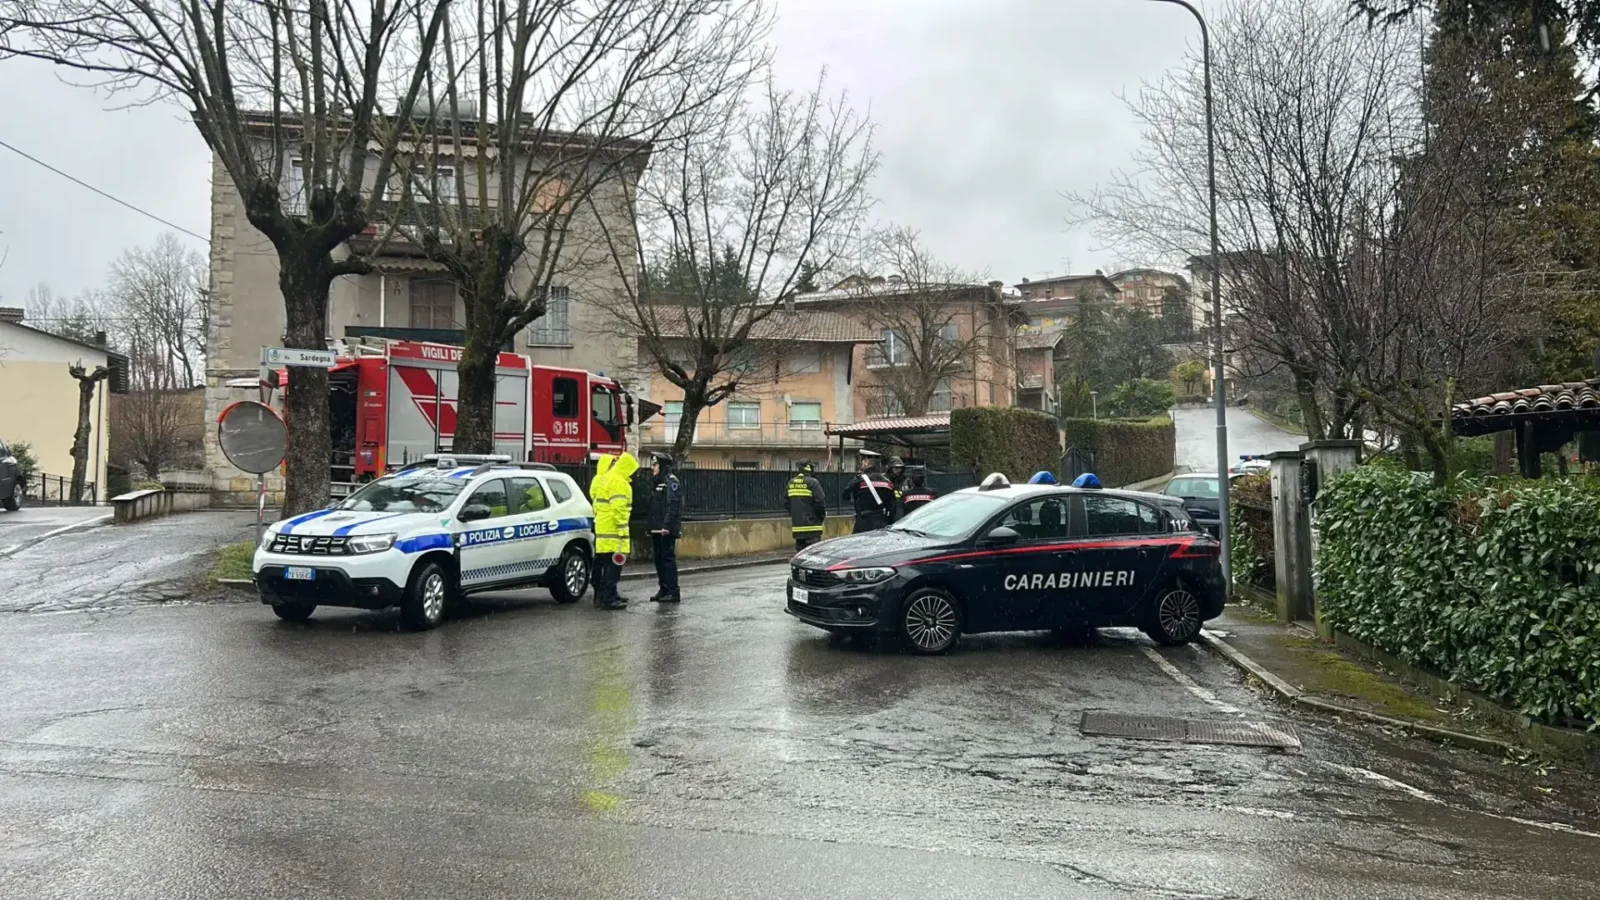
x=304, y=283
x=80, y=436
x=475, y=397
x=1505, y=450
x=1305, y=392
x=694, y=402
x=483, y=289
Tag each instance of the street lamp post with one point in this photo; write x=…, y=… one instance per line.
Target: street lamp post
x=1216, y=293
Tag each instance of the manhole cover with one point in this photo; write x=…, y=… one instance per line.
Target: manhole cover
x=1189, y=731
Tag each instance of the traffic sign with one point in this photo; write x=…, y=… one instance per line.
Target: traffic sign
x=293, y=356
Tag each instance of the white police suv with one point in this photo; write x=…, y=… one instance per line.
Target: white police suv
x=423, y=536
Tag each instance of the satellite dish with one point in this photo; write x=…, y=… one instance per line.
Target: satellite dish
x=252, y=436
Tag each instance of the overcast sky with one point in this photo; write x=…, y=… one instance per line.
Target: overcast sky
x=987, y=111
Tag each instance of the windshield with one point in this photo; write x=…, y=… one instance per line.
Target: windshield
x=1196, y=488
x=952, y=516
x=427, y=493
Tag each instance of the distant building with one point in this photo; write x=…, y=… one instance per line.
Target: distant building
x=40, y=405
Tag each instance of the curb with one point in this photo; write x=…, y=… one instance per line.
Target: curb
x=245, y=584
x=713, y=567
x=76, y=526
x=1298, y=698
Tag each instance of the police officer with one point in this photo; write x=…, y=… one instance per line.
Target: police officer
x=871, y=495
x=917, y=493
x=666, y=523
x=611, y=494
x=806, y=505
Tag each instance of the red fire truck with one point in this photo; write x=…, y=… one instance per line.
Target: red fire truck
x=392, y=402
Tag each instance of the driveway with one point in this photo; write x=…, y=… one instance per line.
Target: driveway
x=1247, y=434
x=714, y=750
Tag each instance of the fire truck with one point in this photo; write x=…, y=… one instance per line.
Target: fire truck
x=393, y=402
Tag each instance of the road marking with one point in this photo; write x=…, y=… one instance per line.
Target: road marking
x=88, y=523
x=1188, y=684
x=1385, y=780
x=1421, y=794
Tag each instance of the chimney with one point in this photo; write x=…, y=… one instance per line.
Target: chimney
x=11, y=314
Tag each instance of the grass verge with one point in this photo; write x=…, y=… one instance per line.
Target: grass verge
x=232, y=561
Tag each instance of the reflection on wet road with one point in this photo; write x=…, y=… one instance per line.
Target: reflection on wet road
x=719, y=749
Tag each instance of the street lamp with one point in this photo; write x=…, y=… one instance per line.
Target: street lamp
x=1216, y=291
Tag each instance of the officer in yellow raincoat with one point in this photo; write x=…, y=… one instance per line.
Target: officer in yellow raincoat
x=611, y=495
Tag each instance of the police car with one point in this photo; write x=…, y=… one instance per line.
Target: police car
x=423, y=536
x=1016, y=558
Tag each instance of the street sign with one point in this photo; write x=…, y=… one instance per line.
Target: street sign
x=293, y=356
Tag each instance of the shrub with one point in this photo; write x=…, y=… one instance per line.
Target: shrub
x=1018, y=442
x=1125, y=450
x=27, y=460
x=1494, y=583
x=1251, y=549
x=1140, y=399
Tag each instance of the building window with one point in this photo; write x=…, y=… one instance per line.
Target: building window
x=671, y=415
x=744, y=415
x=554, y=328
x=806, y=361
x=294, y=188
x=942, y=397
x=891, y=352
x=423, y=187
x=433, y=304
x=805, y=416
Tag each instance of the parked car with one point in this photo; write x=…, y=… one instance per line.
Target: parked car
x=10, y=479
x=1015, y=558
x=1200, y=493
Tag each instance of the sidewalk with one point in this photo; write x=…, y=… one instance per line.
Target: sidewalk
x=1303, y=670
x=637, y=569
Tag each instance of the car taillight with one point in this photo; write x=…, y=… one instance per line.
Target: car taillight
x=1198, y=550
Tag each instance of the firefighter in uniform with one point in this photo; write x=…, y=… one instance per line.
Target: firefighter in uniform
x=666, y=522
x=806, y=506
x=871, y=495
x=611, y=494
x=917, y=493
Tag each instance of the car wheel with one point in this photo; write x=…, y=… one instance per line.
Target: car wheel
x=294, y=612
x=571, y=576
x=930, y=621
x=426, y=597
x=10, y=502
x=1174, y=616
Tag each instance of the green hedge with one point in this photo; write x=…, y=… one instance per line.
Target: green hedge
x=1125, y=451
x=1018, y=442
x=1493, y=583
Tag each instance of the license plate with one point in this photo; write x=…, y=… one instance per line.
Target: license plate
x=801, y=596
x=300, y=573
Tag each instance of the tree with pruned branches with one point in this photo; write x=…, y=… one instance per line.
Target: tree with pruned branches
x=301, y=101
x=732, y=219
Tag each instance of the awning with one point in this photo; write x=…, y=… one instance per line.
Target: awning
x=931, y=430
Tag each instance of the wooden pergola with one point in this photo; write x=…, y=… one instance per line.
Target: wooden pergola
x=1544, y=418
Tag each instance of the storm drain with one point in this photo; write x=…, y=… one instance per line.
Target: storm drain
x=1189, y=731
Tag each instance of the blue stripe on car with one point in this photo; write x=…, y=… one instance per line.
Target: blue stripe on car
x=424, y=542
x=289, y=526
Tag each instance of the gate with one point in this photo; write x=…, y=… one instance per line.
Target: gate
x=1075, y=462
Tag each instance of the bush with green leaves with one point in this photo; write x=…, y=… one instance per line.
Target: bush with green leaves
x=1251, y=548
x=1126, y=451
x=27, y=460
x=1493, y=583
x=1142, y=398
x=1018, y=442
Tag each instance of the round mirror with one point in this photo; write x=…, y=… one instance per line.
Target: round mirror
x=252, y=436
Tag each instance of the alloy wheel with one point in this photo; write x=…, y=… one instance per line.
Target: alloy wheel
x=1179, y=614
x=930, y=622
x=433, y=597
x=577, y=574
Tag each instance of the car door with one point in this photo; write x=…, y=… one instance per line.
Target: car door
x=1020, y=592
x=1116, y=557
x=539, y=539
x=488, y=546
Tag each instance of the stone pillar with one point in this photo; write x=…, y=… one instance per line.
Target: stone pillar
x=1291, y=537
x=1328, y=459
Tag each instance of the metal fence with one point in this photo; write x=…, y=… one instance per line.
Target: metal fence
x=55, y=490
x=747, y=493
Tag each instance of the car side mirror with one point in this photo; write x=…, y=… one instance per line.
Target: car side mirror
x=1001, y=536
x=472, y=512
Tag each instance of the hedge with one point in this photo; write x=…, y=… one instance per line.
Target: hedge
x=1018, y=442
x=1125, y=451
x=1493, y=583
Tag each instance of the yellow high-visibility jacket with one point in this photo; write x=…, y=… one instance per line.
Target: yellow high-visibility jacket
x=611, y=494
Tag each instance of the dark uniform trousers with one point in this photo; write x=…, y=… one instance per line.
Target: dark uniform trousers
x=664, y=548
x=607, y=577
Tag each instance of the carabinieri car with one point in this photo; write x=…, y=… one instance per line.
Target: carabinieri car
x=423, y=536
x=1016, y=558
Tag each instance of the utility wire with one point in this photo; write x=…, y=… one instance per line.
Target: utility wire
x=81, y=183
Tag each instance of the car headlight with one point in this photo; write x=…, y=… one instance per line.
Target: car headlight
x=267, y=537
x=865, y=576
x=371, y=543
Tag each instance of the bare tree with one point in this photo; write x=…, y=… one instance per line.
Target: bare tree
x=292, y=96
x=545, y=112
x=154, y=429
x=84, y=317
x=731, y=219
x=88, y=382
x=941, y=327
x=157, y=294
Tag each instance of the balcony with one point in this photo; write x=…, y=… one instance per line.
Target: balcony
x=719, y=433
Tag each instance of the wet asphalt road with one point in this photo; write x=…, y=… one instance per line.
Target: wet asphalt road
x=32, y=523
x=720, y=749
x=1197, y=437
